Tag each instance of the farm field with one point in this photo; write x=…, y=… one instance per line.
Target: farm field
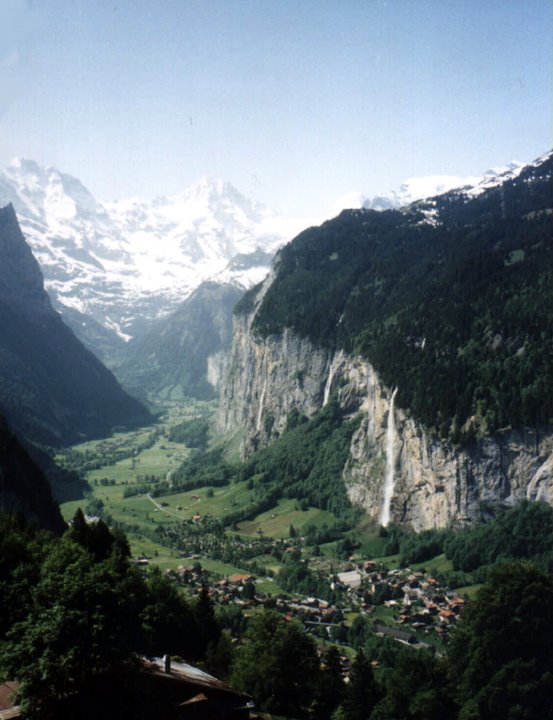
x=438, y=564
x=214, y=501
x=117, y=465
x=150, y=455
x=276, y=522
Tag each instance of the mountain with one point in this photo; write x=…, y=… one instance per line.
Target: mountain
x=52, y=389
x=23, y=486
x=419, y=188
x=181, y=355
x=432, y=326
x=112, y=269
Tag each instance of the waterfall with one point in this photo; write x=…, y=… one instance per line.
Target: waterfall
x=390, y=464
x=261, y=404
x=330, y=378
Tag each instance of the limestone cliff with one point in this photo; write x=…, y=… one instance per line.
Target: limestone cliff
x=434, y=483
x=451, y=300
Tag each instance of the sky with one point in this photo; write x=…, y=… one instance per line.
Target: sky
x=295, y=102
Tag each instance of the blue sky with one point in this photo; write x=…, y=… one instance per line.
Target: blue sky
x=296, y=102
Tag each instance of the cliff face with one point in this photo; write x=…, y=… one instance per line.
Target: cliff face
x=430, y=483
x=451, y=300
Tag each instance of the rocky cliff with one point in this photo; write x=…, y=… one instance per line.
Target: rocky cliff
x=431, y=483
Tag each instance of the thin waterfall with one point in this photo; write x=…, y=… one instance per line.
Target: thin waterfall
x=390, y=464
x=330, y=378
x=261, y=404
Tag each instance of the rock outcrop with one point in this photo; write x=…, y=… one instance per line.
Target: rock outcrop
x=434, y=483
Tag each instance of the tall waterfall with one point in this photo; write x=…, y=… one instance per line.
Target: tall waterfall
x=261, y=405
x=390, y=464
x=328, y=387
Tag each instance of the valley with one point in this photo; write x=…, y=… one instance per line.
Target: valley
x=188, y=536
x=322, y=459
x=276, y=360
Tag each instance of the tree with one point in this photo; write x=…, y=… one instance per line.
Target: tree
x=360, y=695
x=220, y=656
x=208, y=626
x=278, y=665
x=169, y=624
x=80, y=624
x=500, y=652
x=22, y=550
x=413, y=687
x=97, y=538
x=330, y=686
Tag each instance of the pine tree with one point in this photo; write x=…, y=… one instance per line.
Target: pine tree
x=360, y=696
x=205, y=615
x=330, y=688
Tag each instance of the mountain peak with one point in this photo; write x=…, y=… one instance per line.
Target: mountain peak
x=19, y=163
x=21, y=281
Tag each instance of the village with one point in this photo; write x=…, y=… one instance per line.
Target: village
x=408, y=606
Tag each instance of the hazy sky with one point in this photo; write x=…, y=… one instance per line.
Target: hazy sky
x=296, y=102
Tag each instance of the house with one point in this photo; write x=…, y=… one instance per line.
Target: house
x=194, y=693
x=351, y=579
x=165, y=690
x=241, y=579
x=395, y=633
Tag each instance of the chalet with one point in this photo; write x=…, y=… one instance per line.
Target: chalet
x=241, y=579
x=410, y=597
x=195, y=693
x=394, y=633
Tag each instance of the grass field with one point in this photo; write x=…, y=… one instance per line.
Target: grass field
x=215, y=501
x=471, y=591
x=276, y=522
x=144, y=513
x=438, y=564
x=109, y=482
x=158, y=460
x=391, y=561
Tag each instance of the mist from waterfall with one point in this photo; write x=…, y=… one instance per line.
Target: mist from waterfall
x=390, y=464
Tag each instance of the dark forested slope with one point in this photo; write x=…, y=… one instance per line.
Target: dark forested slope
x=171, y=360
x=52, y=389
x=451, y=299
x=23, y=486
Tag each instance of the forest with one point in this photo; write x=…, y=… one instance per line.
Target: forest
x=77, y=616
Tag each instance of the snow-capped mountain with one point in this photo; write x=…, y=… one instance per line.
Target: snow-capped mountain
x=420, y=188
x=123, y=264
x=112, y=268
